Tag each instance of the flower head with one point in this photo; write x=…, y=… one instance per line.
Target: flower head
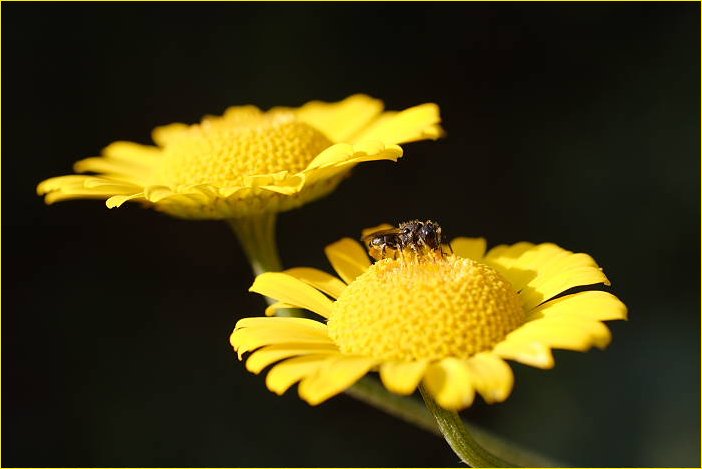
x=247, y=162
x=448, y=322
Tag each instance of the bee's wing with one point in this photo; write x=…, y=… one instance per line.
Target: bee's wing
x=370, y=235
x=376, y=230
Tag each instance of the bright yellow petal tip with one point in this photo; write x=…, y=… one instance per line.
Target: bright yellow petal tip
x=448, y=322
x=247, y=162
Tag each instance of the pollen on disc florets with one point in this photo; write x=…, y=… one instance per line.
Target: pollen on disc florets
x=452, y=307
x=223, y=151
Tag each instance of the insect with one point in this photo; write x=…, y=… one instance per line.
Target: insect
x=417, y=237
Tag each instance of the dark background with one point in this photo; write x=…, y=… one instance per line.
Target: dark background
x=572, y=123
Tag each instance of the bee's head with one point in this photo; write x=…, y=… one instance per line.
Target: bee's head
x=430, y=232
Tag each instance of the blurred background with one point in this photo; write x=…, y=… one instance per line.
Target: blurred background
x=572, y=123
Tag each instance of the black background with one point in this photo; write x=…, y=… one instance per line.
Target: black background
x=572, y=123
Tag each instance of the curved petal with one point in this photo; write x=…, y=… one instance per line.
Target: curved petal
x=570, y=333
x=164, y=134
x=504, y=259
x=288, y=289
x=118, y=200
x=282, y=323
x=528, y=352
x=595, y=305
x=492, y=377
x=340, y=120
x=237, y=115
x=574, y=271
x=261, y=358
x=449, y=383
x=334, y=377
x=319, y=279
x=61, y=182
x=126, y=171
x=285, y=374
x=252, y=333
x=348, y=259
x=542, y=272
x=79, y=186
x=136, y=154
x=281, y=182
x=402, y=377
x=469, y=248
x=271, y=310
x=346, y=154
x=416, y=123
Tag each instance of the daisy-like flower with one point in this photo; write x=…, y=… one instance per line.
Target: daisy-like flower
x=448, y=323
x=247, y=162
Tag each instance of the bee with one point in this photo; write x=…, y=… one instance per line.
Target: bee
x=417, y=237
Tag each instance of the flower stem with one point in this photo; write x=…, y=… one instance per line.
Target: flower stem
x=257, y=237
x=459, y=438
x=370, y=391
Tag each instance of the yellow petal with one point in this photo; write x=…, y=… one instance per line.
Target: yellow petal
x=597, y=305
x=252, y=333
x=281, y=323
x=346, y=154
x=542, y=272
x=470, y=248
x=62, y=182
x=528, y=352
x=320, y=280
x=504, y=258
x=144, y=155
x=491, y=376
x=570, y=333
x=416, y=123
x=334, y=377
x=112, y=167
x=340, y=120
x=292, y=291
x=272, y=309
x=285, y=374
x=265, y=356
x=449, y=383
x=118, y=200
x=80, y=184
x=156, y=193
x=238, y=115
x=281, y=182
x=348, y=258
x=577, y=270
x=163, y=134
x=110, y=184
x=402, y=377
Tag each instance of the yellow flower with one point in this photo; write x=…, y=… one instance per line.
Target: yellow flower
x=247, y=162
x=448, y=323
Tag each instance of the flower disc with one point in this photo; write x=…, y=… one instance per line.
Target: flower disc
x=451, y=307
x=223, y=151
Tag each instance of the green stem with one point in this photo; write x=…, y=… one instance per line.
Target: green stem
x=257, y=237
x=411, y=410
x=370, y=391
x=459, y=438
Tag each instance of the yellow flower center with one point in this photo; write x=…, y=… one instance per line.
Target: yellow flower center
x=222, y=151
x=452, y=307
